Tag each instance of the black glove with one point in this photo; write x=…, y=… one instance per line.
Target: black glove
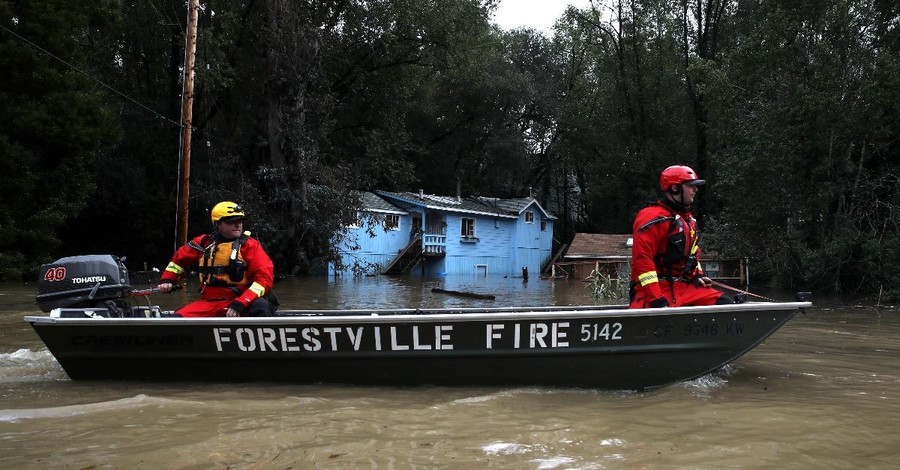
x=660, y=303
x=238, y=307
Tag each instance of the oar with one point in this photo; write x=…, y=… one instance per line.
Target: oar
x=739, y=291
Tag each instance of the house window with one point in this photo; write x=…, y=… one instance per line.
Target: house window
x=355, y=220
x=468, y=227
x=543, y=226
x=391, y=222
x=529, y=217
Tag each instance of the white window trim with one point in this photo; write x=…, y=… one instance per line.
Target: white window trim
x=356, y=222
x=529, y=217
x=462, y=226
x=391, y=228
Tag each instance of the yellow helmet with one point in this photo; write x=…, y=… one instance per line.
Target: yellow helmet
x=226, y=210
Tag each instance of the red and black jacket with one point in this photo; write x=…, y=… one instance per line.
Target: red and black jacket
x=229, y=269
x=665, y=247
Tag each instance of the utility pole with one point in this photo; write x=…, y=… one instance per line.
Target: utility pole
x=187, y=115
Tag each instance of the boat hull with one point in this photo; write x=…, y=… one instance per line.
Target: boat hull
x=594, y=347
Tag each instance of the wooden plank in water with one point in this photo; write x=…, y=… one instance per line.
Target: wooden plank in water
x=471, y=295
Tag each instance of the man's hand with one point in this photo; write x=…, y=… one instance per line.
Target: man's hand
x=703, y=281
x=232, y=313
x=165, y=287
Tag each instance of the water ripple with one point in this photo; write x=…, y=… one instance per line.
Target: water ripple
x=125, y=404
x=506, y=448
x=26, y=365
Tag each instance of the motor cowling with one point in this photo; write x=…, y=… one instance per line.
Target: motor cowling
x=82, y=281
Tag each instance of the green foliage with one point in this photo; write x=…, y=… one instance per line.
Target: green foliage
x=805, y=147
x=607, y=290
x=626, y=113
x=788, y=109
x=53, y=125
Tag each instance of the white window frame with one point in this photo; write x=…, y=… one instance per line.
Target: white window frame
x=529, y=217
x=356, y=221
x=467, y=234
x=391, y=222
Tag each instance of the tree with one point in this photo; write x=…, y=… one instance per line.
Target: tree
x=53, y=125
x=625, y=113
x=702, y=25
x=788, y=109
x=808, y=147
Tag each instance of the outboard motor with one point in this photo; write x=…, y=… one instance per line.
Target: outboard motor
x=83, y=282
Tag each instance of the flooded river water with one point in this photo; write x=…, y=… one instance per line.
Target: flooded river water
x=822, y=392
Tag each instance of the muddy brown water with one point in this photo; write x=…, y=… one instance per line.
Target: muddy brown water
x=822, y=392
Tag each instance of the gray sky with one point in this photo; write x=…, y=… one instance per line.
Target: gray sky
x=537, y=14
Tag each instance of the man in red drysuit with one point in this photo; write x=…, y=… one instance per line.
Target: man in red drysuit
x=236, y=274
x=665, y=255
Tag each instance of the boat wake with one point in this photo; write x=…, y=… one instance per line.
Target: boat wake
x=543, y=455
x=131, y=403
x=501, y=394
x=712, y=381
x=26, y=365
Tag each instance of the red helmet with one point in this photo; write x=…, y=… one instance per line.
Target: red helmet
x=678, y=174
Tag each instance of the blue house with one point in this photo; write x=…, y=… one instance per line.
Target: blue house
x=404, y=232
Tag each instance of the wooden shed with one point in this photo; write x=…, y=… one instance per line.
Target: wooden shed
x=603, y=252
x=611, y=254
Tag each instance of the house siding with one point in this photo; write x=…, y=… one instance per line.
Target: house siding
x=375, y=251
x=533, y=246
x=503, y=244
x=490, y=249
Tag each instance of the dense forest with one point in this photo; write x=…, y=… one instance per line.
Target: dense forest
x=788, y=109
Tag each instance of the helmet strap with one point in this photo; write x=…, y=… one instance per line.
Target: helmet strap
x=674, y=191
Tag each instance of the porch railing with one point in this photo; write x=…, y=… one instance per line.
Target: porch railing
x=434, y=244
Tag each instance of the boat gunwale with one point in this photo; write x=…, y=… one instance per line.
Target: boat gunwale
x=432, y=315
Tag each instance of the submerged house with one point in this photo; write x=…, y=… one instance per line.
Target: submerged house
x=405, y=232
x=610, y=254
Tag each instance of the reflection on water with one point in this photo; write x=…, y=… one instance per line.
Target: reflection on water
x=408, y=292
x=823, y=392
x=416, y=292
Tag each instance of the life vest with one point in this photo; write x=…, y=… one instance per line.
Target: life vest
x=222, y=264
x=678, y=258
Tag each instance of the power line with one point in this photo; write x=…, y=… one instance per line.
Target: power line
x=167, y=21
x=123, y=95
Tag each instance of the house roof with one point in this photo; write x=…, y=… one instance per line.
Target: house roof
x=609, y=246
x=372, y=203
x=505, y=208
x=515, y=205
x=599, y=245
